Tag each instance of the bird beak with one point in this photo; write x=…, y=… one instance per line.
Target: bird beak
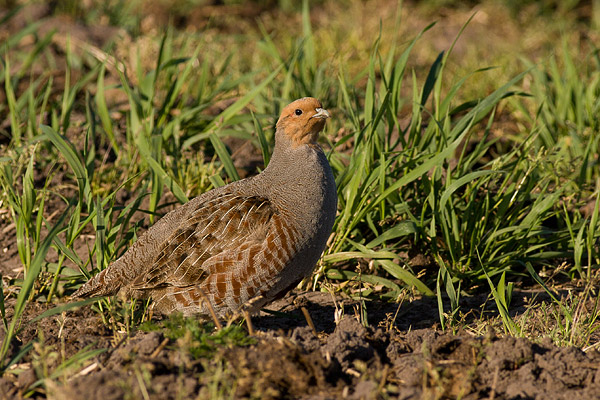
x=321, y=113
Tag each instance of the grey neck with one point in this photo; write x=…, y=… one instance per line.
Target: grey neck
x=293, y=174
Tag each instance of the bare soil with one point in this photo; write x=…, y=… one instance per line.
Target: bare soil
x=406, y=357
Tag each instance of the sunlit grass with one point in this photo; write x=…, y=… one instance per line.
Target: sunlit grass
x=421, y=162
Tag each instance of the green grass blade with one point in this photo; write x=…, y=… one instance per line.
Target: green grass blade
x=102, y=109
x=400, y=273
x=232, y=110
x=500, y=300
x=262, y=140
x=173, y=186
x=224, y=156
x=68, y=151
x=455, y=185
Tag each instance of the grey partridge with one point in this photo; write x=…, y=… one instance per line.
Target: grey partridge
x=242, y=245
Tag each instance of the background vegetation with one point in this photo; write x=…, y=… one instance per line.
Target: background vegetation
x=465, y=143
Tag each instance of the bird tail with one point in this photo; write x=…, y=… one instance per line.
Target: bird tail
x=105, y=283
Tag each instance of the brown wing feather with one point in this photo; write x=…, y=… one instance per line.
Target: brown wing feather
x=221, y=224
x=236, y=277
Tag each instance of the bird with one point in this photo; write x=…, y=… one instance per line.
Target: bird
x=238, y=247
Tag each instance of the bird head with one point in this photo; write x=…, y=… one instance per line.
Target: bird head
x=302, y=120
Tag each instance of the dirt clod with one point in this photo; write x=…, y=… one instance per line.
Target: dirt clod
x=348, y=343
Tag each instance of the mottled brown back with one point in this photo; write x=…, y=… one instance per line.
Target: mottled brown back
x=222, y=224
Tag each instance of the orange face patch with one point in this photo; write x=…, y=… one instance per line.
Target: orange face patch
x=303, y=120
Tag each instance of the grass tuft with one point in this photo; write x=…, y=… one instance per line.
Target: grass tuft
x=199, y=339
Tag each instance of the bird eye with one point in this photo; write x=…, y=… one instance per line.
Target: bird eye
x=298, y=111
